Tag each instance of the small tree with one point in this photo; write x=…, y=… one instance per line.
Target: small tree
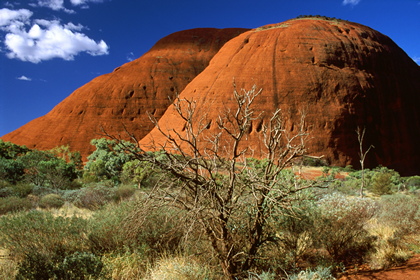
x=107, y=161
x=362, y=155
x=215, y=181
x=44, y=168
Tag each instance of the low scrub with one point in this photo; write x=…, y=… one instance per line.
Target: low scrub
x=14, y=204
x=341, y=227
x=51, y=201
x=41, y=232
x=319, y=273
x=94, y=197
x=124, y=192
x=401, y=212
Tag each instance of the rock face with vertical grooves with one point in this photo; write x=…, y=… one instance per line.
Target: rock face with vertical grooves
x=343, y=75
x=123, y=99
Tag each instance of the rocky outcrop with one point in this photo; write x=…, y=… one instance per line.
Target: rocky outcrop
x=343, y=75
x=122, y=100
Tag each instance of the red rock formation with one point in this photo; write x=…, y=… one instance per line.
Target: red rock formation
x=343, y=74
x=125, y=96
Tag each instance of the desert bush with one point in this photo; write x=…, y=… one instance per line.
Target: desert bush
x=107, y=161
x=51, y=201
x=11, y=170
x=381, y=184
x=70, y=195
x=41, y=243
x=413, y=183
x=6, y=189
x=22, y=189
x=154, y=228
x=80, y=266
x=42, y=190
x=35, y=266
x=41, y=232
x=401, y=212
x=94, y=197
x=180, y=268
x=294, y=227
x=45, y=169
x=319, y=273
x=14, y=204
x=340, y=227
x=76, y=266
x=106, y=232
x=124, y=192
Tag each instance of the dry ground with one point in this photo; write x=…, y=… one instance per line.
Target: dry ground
x=408, y=271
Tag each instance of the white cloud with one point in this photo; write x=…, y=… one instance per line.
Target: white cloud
x=46, y=40
x=12, y=17
x=84, y=2
x=130, y=56
x=24, y=78
x=351, y=2
x=417, y=59
x=35, y=40
x=55, y=5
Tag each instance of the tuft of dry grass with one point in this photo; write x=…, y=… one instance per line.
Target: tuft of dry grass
x=179, y=268
x=8, y=267
x=126, y=266
x=389, y=249
x=70, y=210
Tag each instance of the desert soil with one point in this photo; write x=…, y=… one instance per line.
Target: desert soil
x=408, y=271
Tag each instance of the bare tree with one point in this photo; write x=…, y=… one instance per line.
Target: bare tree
x=362, y=155
x=217, y=182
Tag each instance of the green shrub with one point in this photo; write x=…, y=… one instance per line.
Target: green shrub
x=106, y=233
x=6, y=190
x=124, y=192
x=22, y=189
x=401, y=212
x=4, y=184
x=382, y=184
x=154, y=228
x=93, y=198
x=311, y=161
x=51, y=201
x=14, y=204
x=294, y=233
x=340, y=227
x=320, y=273
x=77, y=266
x=35, y=266
x=413, y=183
x=41, y=232
x=41, y=190
x=80, y=266
x=136, y=226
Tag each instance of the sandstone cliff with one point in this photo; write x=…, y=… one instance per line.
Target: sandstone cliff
x=342, y=74
x=126, y=96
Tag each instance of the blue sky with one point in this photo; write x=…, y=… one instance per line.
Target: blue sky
x=49, y=48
